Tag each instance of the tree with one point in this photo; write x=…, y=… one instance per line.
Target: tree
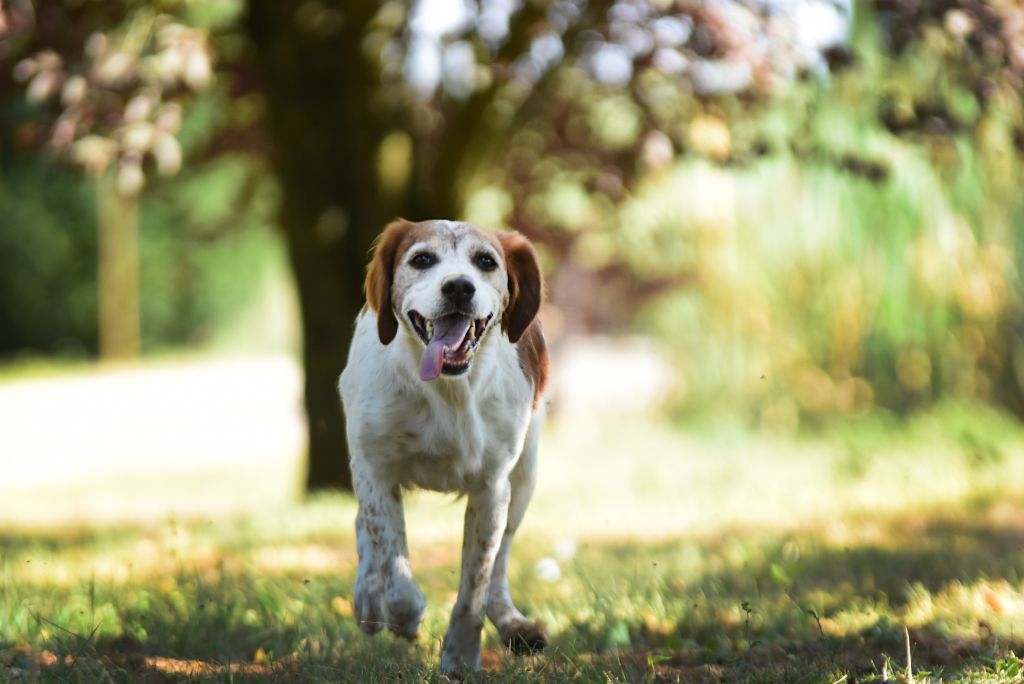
x=120, y=109
x=327, y=127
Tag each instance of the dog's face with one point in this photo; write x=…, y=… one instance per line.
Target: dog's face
x=448, y=284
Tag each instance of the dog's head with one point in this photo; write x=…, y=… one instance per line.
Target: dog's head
x=447, y=284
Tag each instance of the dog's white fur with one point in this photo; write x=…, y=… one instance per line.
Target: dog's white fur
x=474, y=433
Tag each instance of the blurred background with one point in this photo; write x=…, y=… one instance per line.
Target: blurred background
x=782, y=242
x=771, y=214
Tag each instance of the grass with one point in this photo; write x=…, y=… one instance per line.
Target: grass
x=652, y=554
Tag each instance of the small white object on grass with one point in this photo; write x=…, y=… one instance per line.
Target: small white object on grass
x=566, y=548
x=548, y=569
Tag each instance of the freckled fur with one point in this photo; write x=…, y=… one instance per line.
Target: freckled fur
x=474, y=434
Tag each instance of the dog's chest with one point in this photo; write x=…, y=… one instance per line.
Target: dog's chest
x=447, y=446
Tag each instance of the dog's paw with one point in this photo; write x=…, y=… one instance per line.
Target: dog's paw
x=368, y=608
x=460, y=652
x=404, y=605
x=523, y=637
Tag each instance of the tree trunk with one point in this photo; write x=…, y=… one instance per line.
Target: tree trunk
x=117, y=225
x=319, y=86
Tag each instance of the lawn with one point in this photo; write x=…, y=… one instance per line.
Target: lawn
x=652, y=553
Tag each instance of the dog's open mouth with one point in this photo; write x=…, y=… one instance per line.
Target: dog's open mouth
x=450, y=342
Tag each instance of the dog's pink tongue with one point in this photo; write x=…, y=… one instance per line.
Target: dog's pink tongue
x=448, y=334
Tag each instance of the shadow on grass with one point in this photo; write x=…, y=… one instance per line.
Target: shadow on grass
x=931, y=556
x=25, y=543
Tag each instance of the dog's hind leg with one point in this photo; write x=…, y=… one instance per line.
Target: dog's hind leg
x=517, y=632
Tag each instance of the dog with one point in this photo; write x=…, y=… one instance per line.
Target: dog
x=443, y=391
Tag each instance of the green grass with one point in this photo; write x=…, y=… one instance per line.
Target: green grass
x=683, y=557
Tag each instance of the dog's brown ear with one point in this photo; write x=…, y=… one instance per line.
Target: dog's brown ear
x=525, y=287
x=379, y=275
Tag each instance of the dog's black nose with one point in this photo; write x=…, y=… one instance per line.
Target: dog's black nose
x=458, y=290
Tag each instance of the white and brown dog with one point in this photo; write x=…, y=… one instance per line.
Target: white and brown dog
x=442, y=390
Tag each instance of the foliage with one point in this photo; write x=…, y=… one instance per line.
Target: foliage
x=205, y=242
x=120, y=99
x=860, y=264
x=113, y=88
x=48, y=290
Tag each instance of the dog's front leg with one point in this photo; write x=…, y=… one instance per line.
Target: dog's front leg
x=486, y=514
x=382, y=520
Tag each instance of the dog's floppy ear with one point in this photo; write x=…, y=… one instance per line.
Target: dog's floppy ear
x=525, y=286
x=379, y=275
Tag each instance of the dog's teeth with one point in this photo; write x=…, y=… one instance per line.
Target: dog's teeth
x=430, y=329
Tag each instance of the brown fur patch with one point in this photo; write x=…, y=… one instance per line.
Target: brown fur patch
x=389, y=248
x=533, y=359
x=525, y=285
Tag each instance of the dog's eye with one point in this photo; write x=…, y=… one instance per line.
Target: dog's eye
x=485, y=262
x=423, y=261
